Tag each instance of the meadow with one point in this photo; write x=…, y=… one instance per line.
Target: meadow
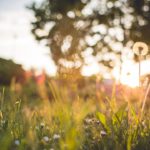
x=79, y=44
x=73, y=121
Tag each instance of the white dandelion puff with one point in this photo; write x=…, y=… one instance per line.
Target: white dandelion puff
x=103, y=133
x=46, y=138
x=140, y=48
x=56, y=136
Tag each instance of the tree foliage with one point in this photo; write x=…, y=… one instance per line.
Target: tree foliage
x=78, y=30
x=9, y=70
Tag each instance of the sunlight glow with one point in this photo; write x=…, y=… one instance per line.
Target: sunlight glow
x=129, y=75
x=130, y=80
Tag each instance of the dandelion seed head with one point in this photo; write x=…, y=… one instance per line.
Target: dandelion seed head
x=103, y=133
x=56, y=136
x=42, y=125
x=88, y=121
x=140, y=48
x=46, y=138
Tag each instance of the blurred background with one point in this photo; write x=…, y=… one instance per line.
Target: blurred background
x=75, y=37
x=16, y=40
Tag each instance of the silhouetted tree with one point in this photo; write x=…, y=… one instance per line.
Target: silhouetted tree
x=9, y=70
x=77, y=29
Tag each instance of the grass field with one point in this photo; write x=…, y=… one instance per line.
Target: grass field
x=31, y=123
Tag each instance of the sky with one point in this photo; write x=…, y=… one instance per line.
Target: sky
x=17, y=43
x=16, y=40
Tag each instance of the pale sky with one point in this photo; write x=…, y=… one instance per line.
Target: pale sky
x=16, y=41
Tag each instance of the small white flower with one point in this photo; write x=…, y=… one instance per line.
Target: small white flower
x=42, y=125
x=17, y=142
x=140, y=48
x=103, y=133
x=88, y=120
x=46, y=138
x=56, y=136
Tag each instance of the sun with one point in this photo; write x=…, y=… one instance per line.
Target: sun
x=130, y=79
x=129, y=74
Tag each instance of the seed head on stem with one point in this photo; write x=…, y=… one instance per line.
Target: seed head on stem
x=140, y=49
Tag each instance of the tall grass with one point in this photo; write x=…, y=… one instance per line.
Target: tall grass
x=65, y=124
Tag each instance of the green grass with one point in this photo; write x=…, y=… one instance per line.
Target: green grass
x=65, y=124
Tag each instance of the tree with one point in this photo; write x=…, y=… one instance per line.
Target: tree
x=9, y=70
x=78, y=29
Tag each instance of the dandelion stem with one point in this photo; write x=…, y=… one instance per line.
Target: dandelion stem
x=140, y=70
x=140, y=79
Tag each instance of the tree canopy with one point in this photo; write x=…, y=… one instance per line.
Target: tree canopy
x=10, y=70
x=78, y=31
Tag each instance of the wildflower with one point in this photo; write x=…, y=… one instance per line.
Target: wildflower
x=88, y=121
x=42, y=125
x=103, y=133
x=98, y=122
x=56, y=136
x=17, y=142
x=46, y=138
x=140, y=48
x=37, y=128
